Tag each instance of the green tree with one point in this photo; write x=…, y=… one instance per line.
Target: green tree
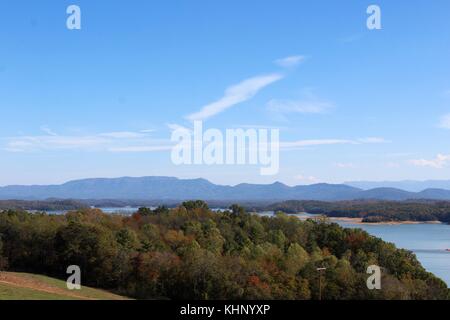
x=296, y=258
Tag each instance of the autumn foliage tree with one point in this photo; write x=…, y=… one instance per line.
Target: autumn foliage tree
x=191, y=252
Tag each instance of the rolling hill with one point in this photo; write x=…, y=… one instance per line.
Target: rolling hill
x=407, y=185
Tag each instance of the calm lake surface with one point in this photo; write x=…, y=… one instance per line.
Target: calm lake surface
x=427, y=241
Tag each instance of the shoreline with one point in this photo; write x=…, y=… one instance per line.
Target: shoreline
x=360, y=220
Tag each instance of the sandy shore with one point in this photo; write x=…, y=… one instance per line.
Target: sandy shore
x=359, y=221
x=302, y=216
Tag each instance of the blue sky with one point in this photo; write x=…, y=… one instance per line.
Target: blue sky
x=101, y=101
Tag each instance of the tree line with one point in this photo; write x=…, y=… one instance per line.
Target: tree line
x=370, y=210
x=42, y=205
x=191, y=252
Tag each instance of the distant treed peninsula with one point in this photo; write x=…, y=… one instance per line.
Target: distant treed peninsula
x=369, y=211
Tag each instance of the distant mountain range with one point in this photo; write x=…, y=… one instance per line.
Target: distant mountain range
x=407, y=185
x=169, y=188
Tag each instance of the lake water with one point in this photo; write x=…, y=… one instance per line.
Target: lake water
x=428, y=241
x=122, y=211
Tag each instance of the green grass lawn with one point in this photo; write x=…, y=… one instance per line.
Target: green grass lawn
x=21, y=292
x=14, y=293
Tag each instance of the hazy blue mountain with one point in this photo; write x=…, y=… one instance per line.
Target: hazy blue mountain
x=327, y=192
x=169, y=188
x=407, y=185
x=387, y=194
x=439, y=194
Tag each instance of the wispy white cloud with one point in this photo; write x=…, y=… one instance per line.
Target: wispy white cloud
x=292, y=106
x=141, y=148
x=123, y=134
x=439, y=162
x=373, y=140
x=259, y=126
x=234, y=95
x=31, y=143
x=290, y=61
x=444, y=122
x=48, y=131
x=110, y=141
x=309, y=102
x=306, y=179
x=310, y=143
x=175, y=127
x=345, y=165
x=299, y=144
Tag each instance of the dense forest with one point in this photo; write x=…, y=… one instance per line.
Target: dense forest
x=370, y=211
x=191, y=252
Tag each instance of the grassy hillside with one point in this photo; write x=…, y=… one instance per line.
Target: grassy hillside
x=25, y=286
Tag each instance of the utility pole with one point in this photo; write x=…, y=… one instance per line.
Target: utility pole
x=320, y=270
